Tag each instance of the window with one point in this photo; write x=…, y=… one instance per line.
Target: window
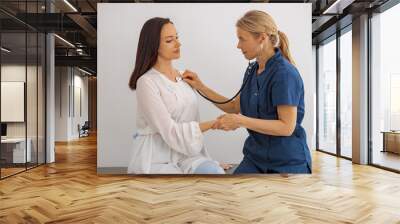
x=327, y=97
x=346, y=94
x=385, y=89
x=22, y=66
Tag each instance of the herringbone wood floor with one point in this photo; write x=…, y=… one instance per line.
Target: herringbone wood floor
x=69, y=191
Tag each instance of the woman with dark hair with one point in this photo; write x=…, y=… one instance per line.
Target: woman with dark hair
x=169, y=138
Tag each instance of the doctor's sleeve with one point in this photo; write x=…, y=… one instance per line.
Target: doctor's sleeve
x=185, y=137
x=286, y=89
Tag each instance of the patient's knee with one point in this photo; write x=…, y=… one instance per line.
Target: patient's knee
x=209, y=167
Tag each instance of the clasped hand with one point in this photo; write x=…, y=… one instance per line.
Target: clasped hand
x=227, y=122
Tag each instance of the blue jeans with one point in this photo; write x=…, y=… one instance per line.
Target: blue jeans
x=209, y=167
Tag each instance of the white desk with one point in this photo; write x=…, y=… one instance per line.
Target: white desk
x=18, y=149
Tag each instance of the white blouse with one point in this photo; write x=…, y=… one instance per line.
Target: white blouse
x=168, y=138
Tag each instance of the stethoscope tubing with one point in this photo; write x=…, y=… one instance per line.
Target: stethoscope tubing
x=249, y=68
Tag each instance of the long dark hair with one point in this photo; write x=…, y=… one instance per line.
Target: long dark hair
x=147, y=50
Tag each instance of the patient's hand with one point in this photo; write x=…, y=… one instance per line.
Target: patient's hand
x=207, y=125
x=192, y=79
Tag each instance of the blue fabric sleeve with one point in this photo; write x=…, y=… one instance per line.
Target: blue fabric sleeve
x=287, y=89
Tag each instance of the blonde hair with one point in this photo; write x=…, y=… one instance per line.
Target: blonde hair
x=257, y=22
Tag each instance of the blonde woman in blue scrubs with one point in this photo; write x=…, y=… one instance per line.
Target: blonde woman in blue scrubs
x=271, y=105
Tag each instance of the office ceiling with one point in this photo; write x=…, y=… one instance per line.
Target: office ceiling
x=77, y=22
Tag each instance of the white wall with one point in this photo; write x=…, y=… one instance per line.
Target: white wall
x=312, y=142
x=68, y=81
x=208, y=36
x=61, y=103
x=80, y=83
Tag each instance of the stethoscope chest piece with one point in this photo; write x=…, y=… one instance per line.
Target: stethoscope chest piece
x=178, y=78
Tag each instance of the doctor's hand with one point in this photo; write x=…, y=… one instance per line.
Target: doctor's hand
x=227, y=122
x=192, y=79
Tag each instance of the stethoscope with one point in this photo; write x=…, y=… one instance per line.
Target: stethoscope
x=247, y=74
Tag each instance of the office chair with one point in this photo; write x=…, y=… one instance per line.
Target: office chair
x=84, y=130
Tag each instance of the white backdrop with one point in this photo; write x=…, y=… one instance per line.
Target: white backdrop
x=208, y=36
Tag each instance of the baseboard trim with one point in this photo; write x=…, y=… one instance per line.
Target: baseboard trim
x=124, y=170
x=112, y=170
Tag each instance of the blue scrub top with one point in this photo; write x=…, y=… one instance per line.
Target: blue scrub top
x=279, y=84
